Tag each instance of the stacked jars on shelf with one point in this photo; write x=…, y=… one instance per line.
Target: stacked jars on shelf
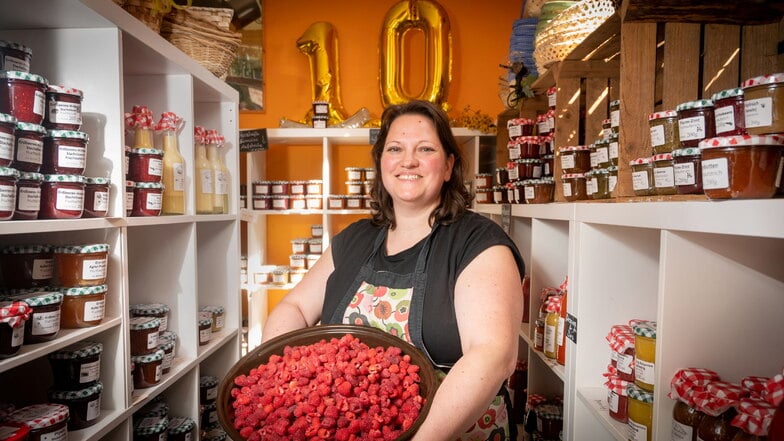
x=208, y=405
x=305, y=251
x=76, y=370
x=153, y=422
x=358, y=184
x=211, y=321
x=287, y=195
x=550, y=330
x=543, y=418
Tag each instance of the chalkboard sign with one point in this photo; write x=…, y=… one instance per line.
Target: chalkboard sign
x=373, y=136
x=253, y=140
x=571, y=328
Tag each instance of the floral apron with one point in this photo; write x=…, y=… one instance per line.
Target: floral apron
x=394, y=303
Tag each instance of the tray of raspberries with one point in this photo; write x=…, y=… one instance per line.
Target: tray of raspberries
x=328, y=382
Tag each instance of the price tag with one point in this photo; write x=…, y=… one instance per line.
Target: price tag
x=571, y=328
x=253, y=140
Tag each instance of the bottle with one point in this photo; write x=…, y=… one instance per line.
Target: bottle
x=225, y=180
x=561, y=334
x=140, y=122
x=539, y=335
x=173, y=165
x=551, y=327
x=204, y=173
x=220, y=192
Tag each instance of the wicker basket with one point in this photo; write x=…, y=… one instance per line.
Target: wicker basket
x=119, y=3
x=220, y=18
x=146, y=12
x=209, y=46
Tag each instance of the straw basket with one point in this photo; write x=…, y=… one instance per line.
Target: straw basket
x=569, y=29
x=212, y=47
x=220, y=18
x=145, y=11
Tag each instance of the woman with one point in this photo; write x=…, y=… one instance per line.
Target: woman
x=428, y=270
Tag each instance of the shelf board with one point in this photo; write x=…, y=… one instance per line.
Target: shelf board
x=703, y=11
x=334, y=135
x=524, y=335
x=557, y=369
x=108, y=420
x=596, y=400
x=49, y=225
x=218, y=340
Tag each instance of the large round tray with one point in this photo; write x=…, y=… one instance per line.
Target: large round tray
x=371, y=336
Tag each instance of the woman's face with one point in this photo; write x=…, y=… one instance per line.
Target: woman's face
x=414, y=165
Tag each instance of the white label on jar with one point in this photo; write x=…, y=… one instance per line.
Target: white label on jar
x=550, y=123
x=129, y=200
x=691, y=128
x=261, y=189
x=94, y=310
x=543, y=127
x=298, y=248
x=279, y=204
x=759, y=112
x=65, y=113
x=623, y=363
x=663, y=177
x=206, y=181
x=657, y=135
x=567, y=189
x=164, y=323
x=7, y=198
x=14, y=63
x=637, y=432
x=353, y=203
x=101, y=201
x=602, y=155
x=219, y=321
x=515, y=130
x=46, y=323
x=94, y=269
x=212, y=393
x=6, y=146
x=178, y=170
x=715, y=174
x=29, y=199
x=538, y=340
x=155, y=167
x=335, y=203
x=278, y=189
x=612, y=181
x=89, y=372
x=640, y=180
x=614, y=357
x=537, y=171
x=69, y=200
x=681, y=432
x=57, y=435
x=205, y=335
x=295, y=188
x=93, y=409
x=29, y=150
x=684, y=174
x=643, y=371
x=547, y=170
x=354, y=189
x=168, y=358
x=614, y=150
x=592, y=186
x=594, y=160
x=221, y=183
x=513, y=174
x=259, y=204
x=158, y=372
x=498, y=196
x=615, y=118
x=567, y=161
x=313, y=189
x=154, y=201
x=612, y=400
x=481, y=198
x=549, y=339
x=551, y=99
x=725, y=119
x=561, y=336
x=152, y=340
x=17, y=336
x=39, y=104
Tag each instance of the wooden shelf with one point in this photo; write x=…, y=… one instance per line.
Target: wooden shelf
x=703, y=11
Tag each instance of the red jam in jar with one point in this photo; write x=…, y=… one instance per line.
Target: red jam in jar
x=8, y=177
x=22, y=95
x=147, y=199
x=574, y=186
x=83, y=307
x=46, y=421
x=529, y=146
x=687, y=165
x=728, y=112
x=763, y=107
x=81, y=265
x=96, y=197
x=15, y=56
x=65, y=152
x=741, y=167
x=518, y=127
x=84, y=405
x=575, y=159
x=144, y=335
x=696, y=122
x=63, y=108
x=28, y=195
x=29, y=147
x=76, y=366
x=62, y=197
x=7, y=139
x=44, y=323
x=148, y=369
x=13, y=316
x=26, y=266
x=145, y=165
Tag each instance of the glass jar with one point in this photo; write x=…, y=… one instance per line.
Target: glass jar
x=145, y=165
x=130, y=186
x=7, y=138
x=23, y=94
x=81, y=265
x=44, y=323
x=621, y=340
x=279, y=187
x=640, y=413
x=262, y=202
x=29, y=147
x=355, y=173
x=96, y=197
x=718, y=428
x=181, y=429
x=26, y=266
x=84, y=405
x=63, y=108
x=336, y=202
x=549, y=420
x=552, y=94
x=147, y=199
x=501, y=176
x=741, y=167
x=600, y=154
x=614, y=148
x=76, y=366
x=499, y=195
x=168, y=355
x=664, y=174
x=539, y=335
x=150, y=428
x=687, y=170
x=575, y=159
x=542, y=128
x=547, y=165
x=261, y=188
x=612, y=179
x=728, y=112
x=28, y=196
x=763, y=107
x=220, y=189
x=173, y=177
x=315, y=245
x=13, y=316
x=147, y=369
x=529, y=146
x=517, y=127
x=686, y=384
x=46, y=421
x=205, y=331
x=62, y=197
x=218, y=316
x=168, y=337
x=686, y=420
x=513, y=171
x=615, y=115
x=598, y=183
x=696, y=121
x=664, y=131
x=281, y=202
x=83, y=307
x=483, y=180
x=574, y=187
x=538, y=191
x=530, y=168
x=15, y=56
x=617, y=399
x=280, y=275
x=642, y=176
x=606, y=128
x=156, y=310
x=8, y=177
x=144, y=335
x=644, y=354
x=208, y=389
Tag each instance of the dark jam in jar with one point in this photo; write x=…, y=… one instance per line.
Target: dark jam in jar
x=145, y=165
x=181, y=429
x=147, y=199
x=76, y=366
x=28, y=195
x=144, y=335
x=7, y=138
x=46, y=421
x=208, y=389
x=96, y=197
x=728, y=112
x=15, y=56
x=44, y=323
x=84, y=405
x=150, y=428
x=65, y=152
x=63, y=108
x=696, y=122
x=13, y=316
x=22, y=95
x=26, y=266
x=148, y=369
x=574, y=187
x=8, y=177
x=62, y=197
x=575, y=159
x=687, y=165
x=29, y=147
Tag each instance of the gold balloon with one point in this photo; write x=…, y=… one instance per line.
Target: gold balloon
x=429, y=17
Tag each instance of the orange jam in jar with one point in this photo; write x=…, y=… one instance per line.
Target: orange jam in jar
x=741, y=167
x=84, y=306
x=574, y=187
x=81, y=265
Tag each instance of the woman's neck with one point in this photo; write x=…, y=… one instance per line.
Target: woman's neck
x=408, y=232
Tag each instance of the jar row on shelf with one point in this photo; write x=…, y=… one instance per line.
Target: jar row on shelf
x=154, y=421
x=530, y=191
x=334, y=202
x=31, y=195
x=530, y=147
x=360, y=174
x=313, y=187
x=543, y=418
x=281, y=275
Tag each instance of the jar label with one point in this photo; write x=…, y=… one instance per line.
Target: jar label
x=336, y=203
x=219, y=321
x=547, y=171
x=295, y=188
x=212, y=393
x=637, y=431
x=101, y=201
x=7, y=198
x=46, y=323
x=353, y=203
x=537, y=171
x=57, y=435
x=6, y=145
x=594, y=160
x=515, y=130
x=279, y=204
x=313, y=189
x=39, y=103
x=204, y=335
x=168, y=358
x=615, y=118
x=514, y=152
x=614, y=150
x=684, y=174
x=222, y=183
x=94, y=269
x=640, y=180
x=158, y=372
x=179, y=176
x=62, y=112
x=513, y=174
x=152, y=340
x=551, y=99
x=657, y=135
x=89, y=372
x=643, y=371
x=206, y=181
x=663, y=177
x=612, y=400
x=261, y=189
x=550, y=123
x=154, y=201
x=715, y=174
x=567, y=189
x=725, y=119
x=543, y=127
x=681, y=432
x=602, y=155
x=691, y=128
x=567, y=161
x=592, y=186
x=611, y=183
x=14, y=63
x=155, y=167
x=624, y=363
x=29, y=150
x=759, y=112
x=17, y=336
x=69, y=199
x=298, y=248
x=529, y=192
x=93, y=409
x=549, y=339
x=94, y=311
x=128, y=200
x=164, y=323
x=29, y=199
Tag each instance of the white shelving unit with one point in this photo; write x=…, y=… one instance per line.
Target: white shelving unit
x=184, y=261
x=708, y=272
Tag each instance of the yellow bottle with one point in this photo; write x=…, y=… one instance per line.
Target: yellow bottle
x=223, y=182
x=173, y=166
x=140, y=121
x=217, y=173
x=203, y=175
x=551, y=327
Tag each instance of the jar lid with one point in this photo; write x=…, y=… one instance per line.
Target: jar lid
x=149, y=358
x=14, y=313
x=30, y=127
x=315, y=240
x=742, y=140
x=53, y=88
x=40, y=298
x=79, y=179
x=215, y=434
x=687, y=151
x=31, y=176
x=96, y=181
x=531, y=161
x=754, y=384
x=84, y=290
x=645, y=328
x=612, y=169
x=6, y=118
x=165, y=346
x=205, y=322
x=549, y=412
x=729, y=93
x=27, y=76
x=551, y=90
x=613, y=137
x=573, y=148
x=317, y=181
x=180, y=425
x=354, y=168
x=601, y=171
x=168, y=336
x=70, y=134
x=9, y=172
x=606, y=121
x=16, y=46
x=641, y=161
x=664, y=114
x=151, y=425
x=697, y=104
x=140, y=323
x=208, y=381
x=149, y=308
x=548, y=157
x=520, y=122
x=636, y=393
x=573, y=176
x=615, y=384
x=763, y=79
x=153, y=185
x=662, y=157
x=40, y=416
x=483, y=175
x=146, y=151
x=214, y=309
x=614, y=103
x=158, y=408
x=686, y=381
x=76, y=394
x=82, y=349
x=82, y=249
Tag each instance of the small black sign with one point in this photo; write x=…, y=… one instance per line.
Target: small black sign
x=373, y=136
x=571, y=328
x=253, y=140
x=506, y=218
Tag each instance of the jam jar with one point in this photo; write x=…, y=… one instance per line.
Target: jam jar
x=695, y=122
x=764, y=104
x=181, y=429
x=44, y=323
x=151, y=429
x=552, y=94
x=500, y=196
x=644, y=354
x=205, y=331
x=8, y=189
x=751, y=412
x=65, y=152
x=517, y=127
x=157, y=310
x=279, y=187
x=483, y=180
x=606, y=128
x=687, y=166
x=501, y=176
x=62, y=197
x=83, y=306
x=15, y=56
x=215, y=433
x=63, y=108
x=664, y=131
x=22, y=94
x=84, y=405
x=530, y=168
x=166, y=337
x=539, y=191
x=144, y=335
x=617, y=399
x=549, y=420
x=315, y=245
x=728, y=112
x=46, y=421
x=145, y=165
x=684, y=387
x=209, y=415
x=81, y=265
x=147, y=199
x=283, y=202
x=741, y=167
x=621, y=340
x=28, y=147
x=13, y=316
x=96, y=197
x=217, y=314
x=130, y=186
x=664, y=174
x=615, y=115
x=314, y=202
x=575, y=159
x=599, y=183
x=13, y=431
x=529, y=147
x=208, y=389
x=355, y=173
x=26, y=266
x=600, y=154
x=642, y=176
x=612, y=180
x=147, y=369
x=640, y=413
x=483, y=195
x=574, y=187
x=7, y=139
x=28, y=195
x=76, y=366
